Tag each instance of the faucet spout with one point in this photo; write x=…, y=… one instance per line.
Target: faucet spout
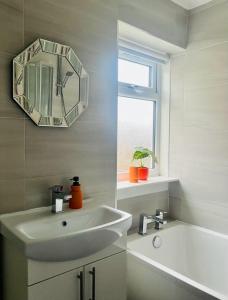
x=58, y=198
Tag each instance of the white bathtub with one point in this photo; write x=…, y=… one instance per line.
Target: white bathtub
x=191, y=264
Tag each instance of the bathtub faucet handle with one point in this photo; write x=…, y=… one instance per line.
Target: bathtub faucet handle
x=160, y=218
x=161, y=213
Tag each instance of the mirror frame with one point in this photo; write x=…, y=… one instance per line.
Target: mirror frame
x=19, y=63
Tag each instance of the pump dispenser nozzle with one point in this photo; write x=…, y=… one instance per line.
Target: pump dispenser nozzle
x=75, y=180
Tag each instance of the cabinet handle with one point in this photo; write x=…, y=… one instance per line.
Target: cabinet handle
x=93, y=273
x=80, y=277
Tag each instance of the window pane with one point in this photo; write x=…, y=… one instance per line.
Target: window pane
x=133, y=73
x=135, y=129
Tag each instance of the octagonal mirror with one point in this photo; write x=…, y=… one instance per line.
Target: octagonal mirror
x=50, y=84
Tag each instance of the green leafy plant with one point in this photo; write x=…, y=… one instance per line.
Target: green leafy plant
x=142, y=153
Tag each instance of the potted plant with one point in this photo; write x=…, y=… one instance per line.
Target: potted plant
x=140, y=154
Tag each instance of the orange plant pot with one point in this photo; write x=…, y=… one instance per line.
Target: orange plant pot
x=143, y=173
x=133, y=174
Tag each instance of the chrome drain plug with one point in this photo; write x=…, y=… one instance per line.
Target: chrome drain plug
x=157, y=241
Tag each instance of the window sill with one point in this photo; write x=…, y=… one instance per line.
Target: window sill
x=157, y=184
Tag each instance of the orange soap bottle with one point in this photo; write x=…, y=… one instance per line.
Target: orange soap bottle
x=76, y=193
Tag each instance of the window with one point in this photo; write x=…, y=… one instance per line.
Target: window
x=138, y=105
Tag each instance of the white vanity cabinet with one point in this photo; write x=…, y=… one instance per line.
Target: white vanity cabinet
x=102, y=280
x=75, y=255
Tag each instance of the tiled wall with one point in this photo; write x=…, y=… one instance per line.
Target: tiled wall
x=32, y=158
x=144, y=204
x=199, y=122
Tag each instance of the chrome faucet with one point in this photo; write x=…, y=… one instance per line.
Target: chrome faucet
x=158, y=219
x=58, y=197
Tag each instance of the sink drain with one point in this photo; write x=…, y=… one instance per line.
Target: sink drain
x=157, y=241
x=64, y=223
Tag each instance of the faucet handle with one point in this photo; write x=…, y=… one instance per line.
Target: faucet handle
x=67, y=198
x=161, y=213
x=56, y=188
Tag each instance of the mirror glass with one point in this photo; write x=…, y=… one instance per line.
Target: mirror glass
x=50, y=83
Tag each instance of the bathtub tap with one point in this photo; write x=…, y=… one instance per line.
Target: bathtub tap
x=158, y=219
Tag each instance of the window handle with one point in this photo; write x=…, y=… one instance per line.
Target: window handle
x=136, y=88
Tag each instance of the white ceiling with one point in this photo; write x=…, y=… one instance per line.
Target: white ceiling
x=190, y=4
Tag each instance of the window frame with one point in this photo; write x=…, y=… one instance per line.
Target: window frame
x=152, y=93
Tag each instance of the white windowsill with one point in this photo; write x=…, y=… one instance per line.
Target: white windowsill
x=125, y=189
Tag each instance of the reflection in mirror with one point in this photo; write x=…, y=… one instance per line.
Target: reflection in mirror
x=50, y=84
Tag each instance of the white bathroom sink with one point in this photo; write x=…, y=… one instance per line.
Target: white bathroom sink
x=69, y=235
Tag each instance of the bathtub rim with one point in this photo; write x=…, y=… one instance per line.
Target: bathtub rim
x=146, y=260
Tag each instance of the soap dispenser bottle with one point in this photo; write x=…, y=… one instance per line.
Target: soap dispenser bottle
x=76, y=193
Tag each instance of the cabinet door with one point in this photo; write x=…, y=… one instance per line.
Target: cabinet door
x=106, y=279
x=67, y=286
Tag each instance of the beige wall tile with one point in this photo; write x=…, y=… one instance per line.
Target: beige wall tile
x=86, y=149
x=12, y=195
x=201, y=214
x=205, y=146
x=94, y=29
x=206, y=61
x=12, y=150
x=199, y=141
x=177, y=66
x=177, y=90
x=11, y=26
x=52, y=152
x=207, y=108
x=209, y=26
x=144, y=204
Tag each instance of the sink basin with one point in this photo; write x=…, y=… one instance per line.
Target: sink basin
x=69, y=235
